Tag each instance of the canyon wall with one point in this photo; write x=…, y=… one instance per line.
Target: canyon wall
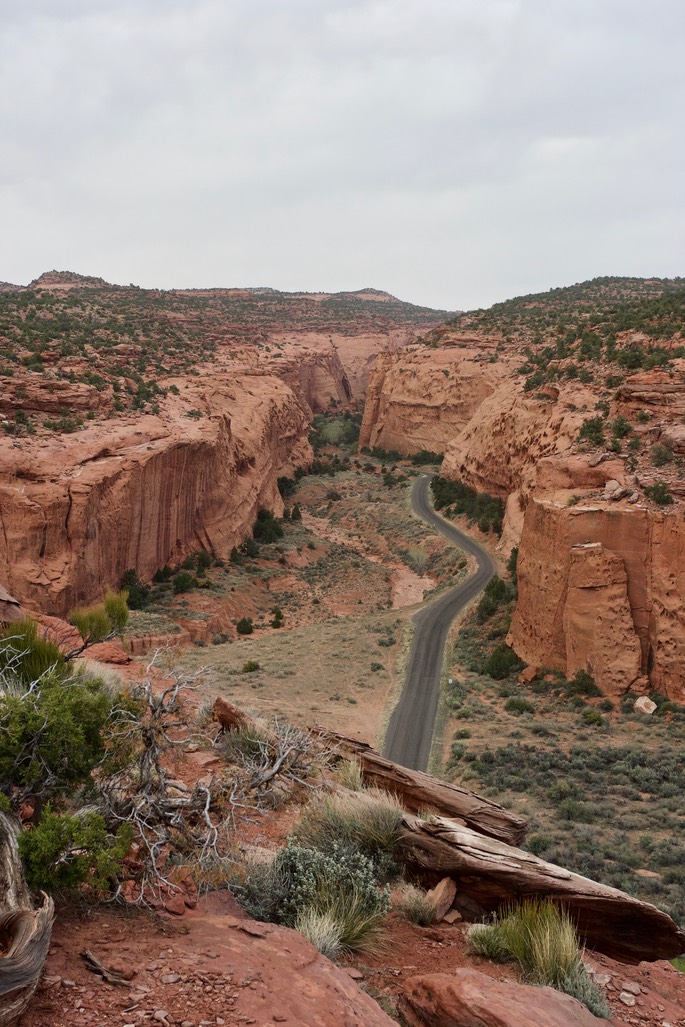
x=76, y=511
x=316, y=375
x=601, y=568
x=602, y=590
x=421, y=399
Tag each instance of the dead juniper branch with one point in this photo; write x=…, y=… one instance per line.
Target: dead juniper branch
x=282, y=753
x=170, y=821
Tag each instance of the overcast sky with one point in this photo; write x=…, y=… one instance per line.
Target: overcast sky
x=453, y=152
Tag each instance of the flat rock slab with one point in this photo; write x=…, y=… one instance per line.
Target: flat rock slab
x=471, y=999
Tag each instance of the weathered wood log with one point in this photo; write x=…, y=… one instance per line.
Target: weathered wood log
x=489, y=873
x=24, y=931
x=419, y=791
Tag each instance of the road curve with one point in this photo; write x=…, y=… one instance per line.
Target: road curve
x=410, y=730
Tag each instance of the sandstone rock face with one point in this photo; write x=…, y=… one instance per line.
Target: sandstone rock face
x=33, y=393
x=471, y=999
x=602, y=589
x=597, y=621
x=615, y=610
x=319, y=380
x=342, y=363
x=79, y=510
x=501, y=447
x=421, y=400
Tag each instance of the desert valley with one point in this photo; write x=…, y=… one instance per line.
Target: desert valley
x=208, y=504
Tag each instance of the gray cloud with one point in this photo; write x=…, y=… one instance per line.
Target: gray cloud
x=454, y=152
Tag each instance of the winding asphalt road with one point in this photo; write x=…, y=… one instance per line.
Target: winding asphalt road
x=410, y=731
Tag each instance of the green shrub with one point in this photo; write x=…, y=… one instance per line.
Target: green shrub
x=661, y=454
x=137, y=592
x=266, y=528
x=25, y=654
x=250, y=667
x=62, y=852
x=592, y=430
x=501, y=662
x=103, y=620
x=53, y=732
x=620, y=427
x=183, y=582
x=518, y=706
x=204, y=562
x=367, y=821
x=659, y=493
x=340, y=884
x=245, y=626
x=487, y=510
x=414, y=905
x=582, y=683
x=542, y=939
x=496, y=592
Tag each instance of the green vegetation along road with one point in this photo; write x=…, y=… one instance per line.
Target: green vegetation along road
x=410, y=731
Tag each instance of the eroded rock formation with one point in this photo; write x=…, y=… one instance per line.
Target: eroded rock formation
x=601, y=569
x=601, y=589
x=78, y=510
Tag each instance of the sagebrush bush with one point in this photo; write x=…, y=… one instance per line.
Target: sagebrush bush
x=339, y=885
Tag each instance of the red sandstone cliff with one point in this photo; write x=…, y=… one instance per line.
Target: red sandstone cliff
x=423, y=399
x=601, y=580
x=76, y=511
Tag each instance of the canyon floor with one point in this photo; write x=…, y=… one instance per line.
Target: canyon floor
x=344, y=578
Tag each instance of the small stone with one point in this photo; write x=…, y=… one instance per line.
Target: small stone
x=175, y=904
x=632, y=987
x=626, y=999
x=219, y=1020
x=352, y=972
x=160, y=1015
x=452, y=916
x=442, y=896
x=601, y=979
x=171, y=978
x=67, y=983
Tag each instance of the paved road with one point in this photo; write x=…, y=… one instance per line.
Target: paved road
x=410, y=731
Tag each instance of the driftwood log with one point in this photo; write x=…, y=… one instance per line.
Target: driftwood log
x=419, y=791
x=488, y=873
x=24, y=931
